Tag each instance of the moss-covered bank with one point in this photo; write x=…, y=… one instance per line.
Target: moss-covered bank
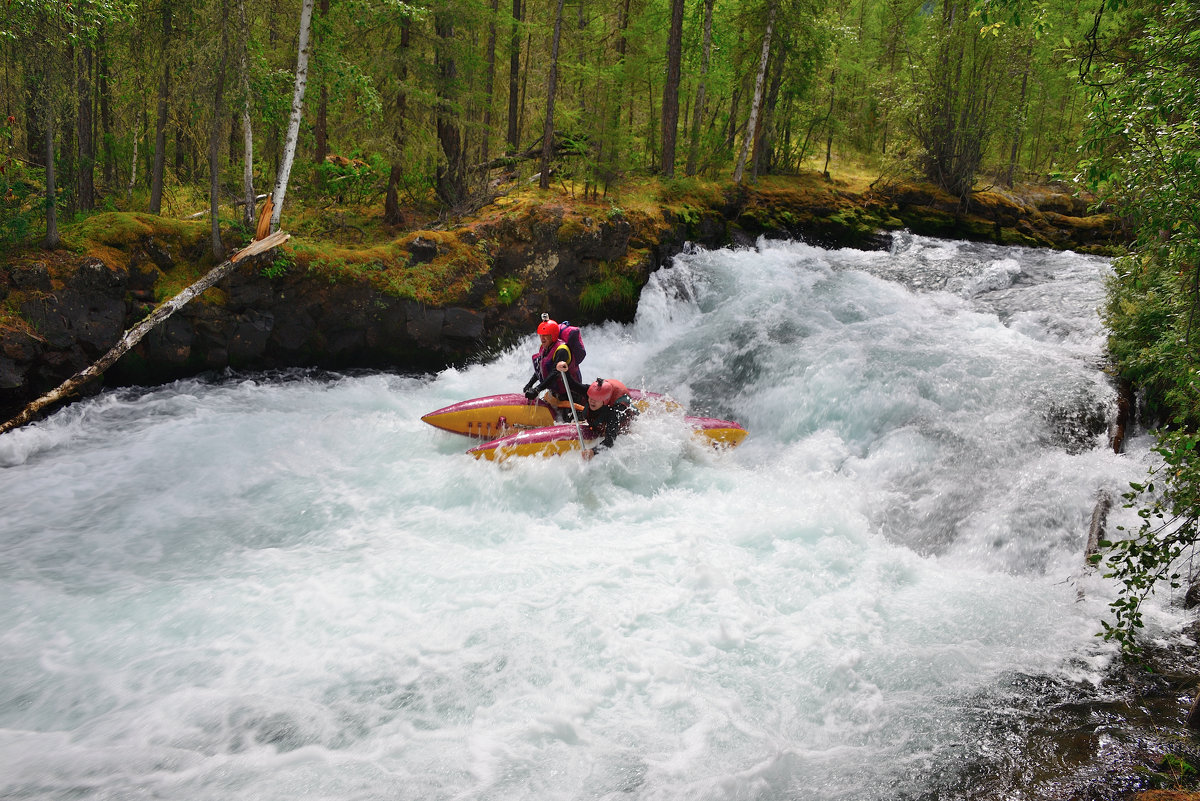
x=428, y=298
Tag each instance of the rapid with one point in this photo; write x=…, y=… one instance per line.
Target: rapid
x=287, y=586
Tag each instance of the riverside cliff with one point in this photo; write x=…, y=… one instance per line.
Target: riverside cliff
x=434, y=297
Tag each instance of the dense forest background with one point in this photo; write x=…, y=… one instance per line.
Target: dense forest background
x=429, y=106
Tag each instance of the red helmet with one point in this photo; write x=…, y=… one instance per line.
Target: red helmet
x=548, y=328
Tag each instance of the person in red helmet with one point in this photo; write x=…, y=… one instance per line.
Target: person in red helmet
x=610, y=410
x=553, y=365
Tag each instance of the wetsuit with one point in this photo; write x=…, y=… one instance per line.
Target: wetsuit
x=610, y=419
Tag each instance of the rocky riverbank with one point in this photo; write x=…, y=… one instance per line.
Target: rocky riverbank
x=429, y=298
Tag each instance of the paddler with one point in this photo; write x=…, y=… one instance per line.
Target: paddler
x=552, y=365
x=610, y=410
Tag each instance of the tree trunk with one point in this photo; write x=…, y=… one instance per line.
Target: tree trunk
x=35, y=136
x=451, y=180
x=391, y=203
x=247, y=131
x=829, y=116
x=551, y=90
x=514, y=74
x=1019, y=119
x=762, y=140
x=759, y=79
x=321, y=129
x=85, y=180
x=670, y=101
x=293, y=131
x=160, y=125
x=489, y=82
x=701, y=88
x=215, y=132
x=106, y=115
x=135, y=334
x=52, y=239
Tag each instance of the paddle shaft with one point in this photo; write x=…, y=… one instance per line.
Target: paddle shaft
x=575, y=417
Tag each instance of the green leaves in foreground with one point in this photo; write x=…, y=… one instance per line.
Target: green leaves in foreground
x=1168, y=505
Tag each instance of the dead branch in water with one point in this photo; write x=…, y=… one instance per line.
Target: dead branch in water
x=135, y=334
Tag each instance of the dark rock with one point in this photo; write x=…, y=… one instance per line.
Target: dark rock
x=463, y=324
x=50, y=318
x=293, y=328
x=171, y=342
x=12, y=375
x=94, y=277
x=424, y=324
x=250, y=335
x=422, y=250
x=158, y=254
x=141, y=278
x=34, y=276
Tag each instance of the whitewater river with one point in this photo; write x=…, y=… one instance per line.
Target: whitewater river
x=289, y=587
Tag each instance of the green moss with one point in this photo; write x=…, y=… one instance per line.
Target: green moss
x=571, y=229
x=508, y=290
x=614, y=288
x=123, y=229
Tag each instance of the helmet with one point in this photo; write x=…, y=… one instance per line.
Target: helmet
x=599, y=390
x=548, y=328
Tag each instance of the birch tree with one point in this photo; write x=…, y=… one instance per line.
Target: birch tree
x=214, y=137
x=293, y=130
x=247, y=129
x=756, y=103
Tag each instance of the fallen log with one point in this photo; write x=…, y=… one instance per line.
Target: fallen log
x=135, y=334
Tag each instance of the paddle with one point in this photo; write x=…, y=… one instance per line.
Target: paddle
x=567, y=383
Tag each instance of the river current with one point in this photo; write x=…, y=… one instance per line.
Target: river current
x=288, y=587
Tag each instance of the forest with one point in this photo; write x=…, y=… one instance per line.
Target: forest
x=110, y=104
x=386, y=113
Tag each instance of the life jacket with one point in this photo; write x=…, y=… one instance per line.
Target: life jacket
x=544, y=362
x=571, y=335
x=608, y=391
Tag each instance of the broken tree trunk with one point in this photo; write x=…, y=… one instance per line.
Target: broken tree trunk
x=135, y=334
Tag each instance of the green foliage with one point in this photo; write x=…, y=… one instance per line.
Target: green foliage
x=19, y=192
x=508, y=290
x=1167, y=504
x=1174, y=773
x=1143, y=148
x=279, y=265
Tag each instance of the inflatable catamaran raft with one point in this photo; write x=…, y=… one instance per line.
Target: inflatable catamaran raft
x=514, y=426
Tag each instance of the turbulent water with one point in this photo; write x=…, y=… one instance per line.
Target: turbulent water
x=289, y=587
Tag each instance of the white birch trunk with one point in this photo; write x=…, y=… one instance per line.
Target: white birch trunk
x=748, y=137
x=293, y=131
x=247, y=130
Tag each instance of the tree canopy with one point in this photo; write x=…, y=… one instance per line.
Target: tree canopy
x=111, y=103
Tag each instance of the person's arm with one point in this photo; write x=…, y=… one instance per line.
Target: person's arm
x=605, y=420
x=578, y=390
